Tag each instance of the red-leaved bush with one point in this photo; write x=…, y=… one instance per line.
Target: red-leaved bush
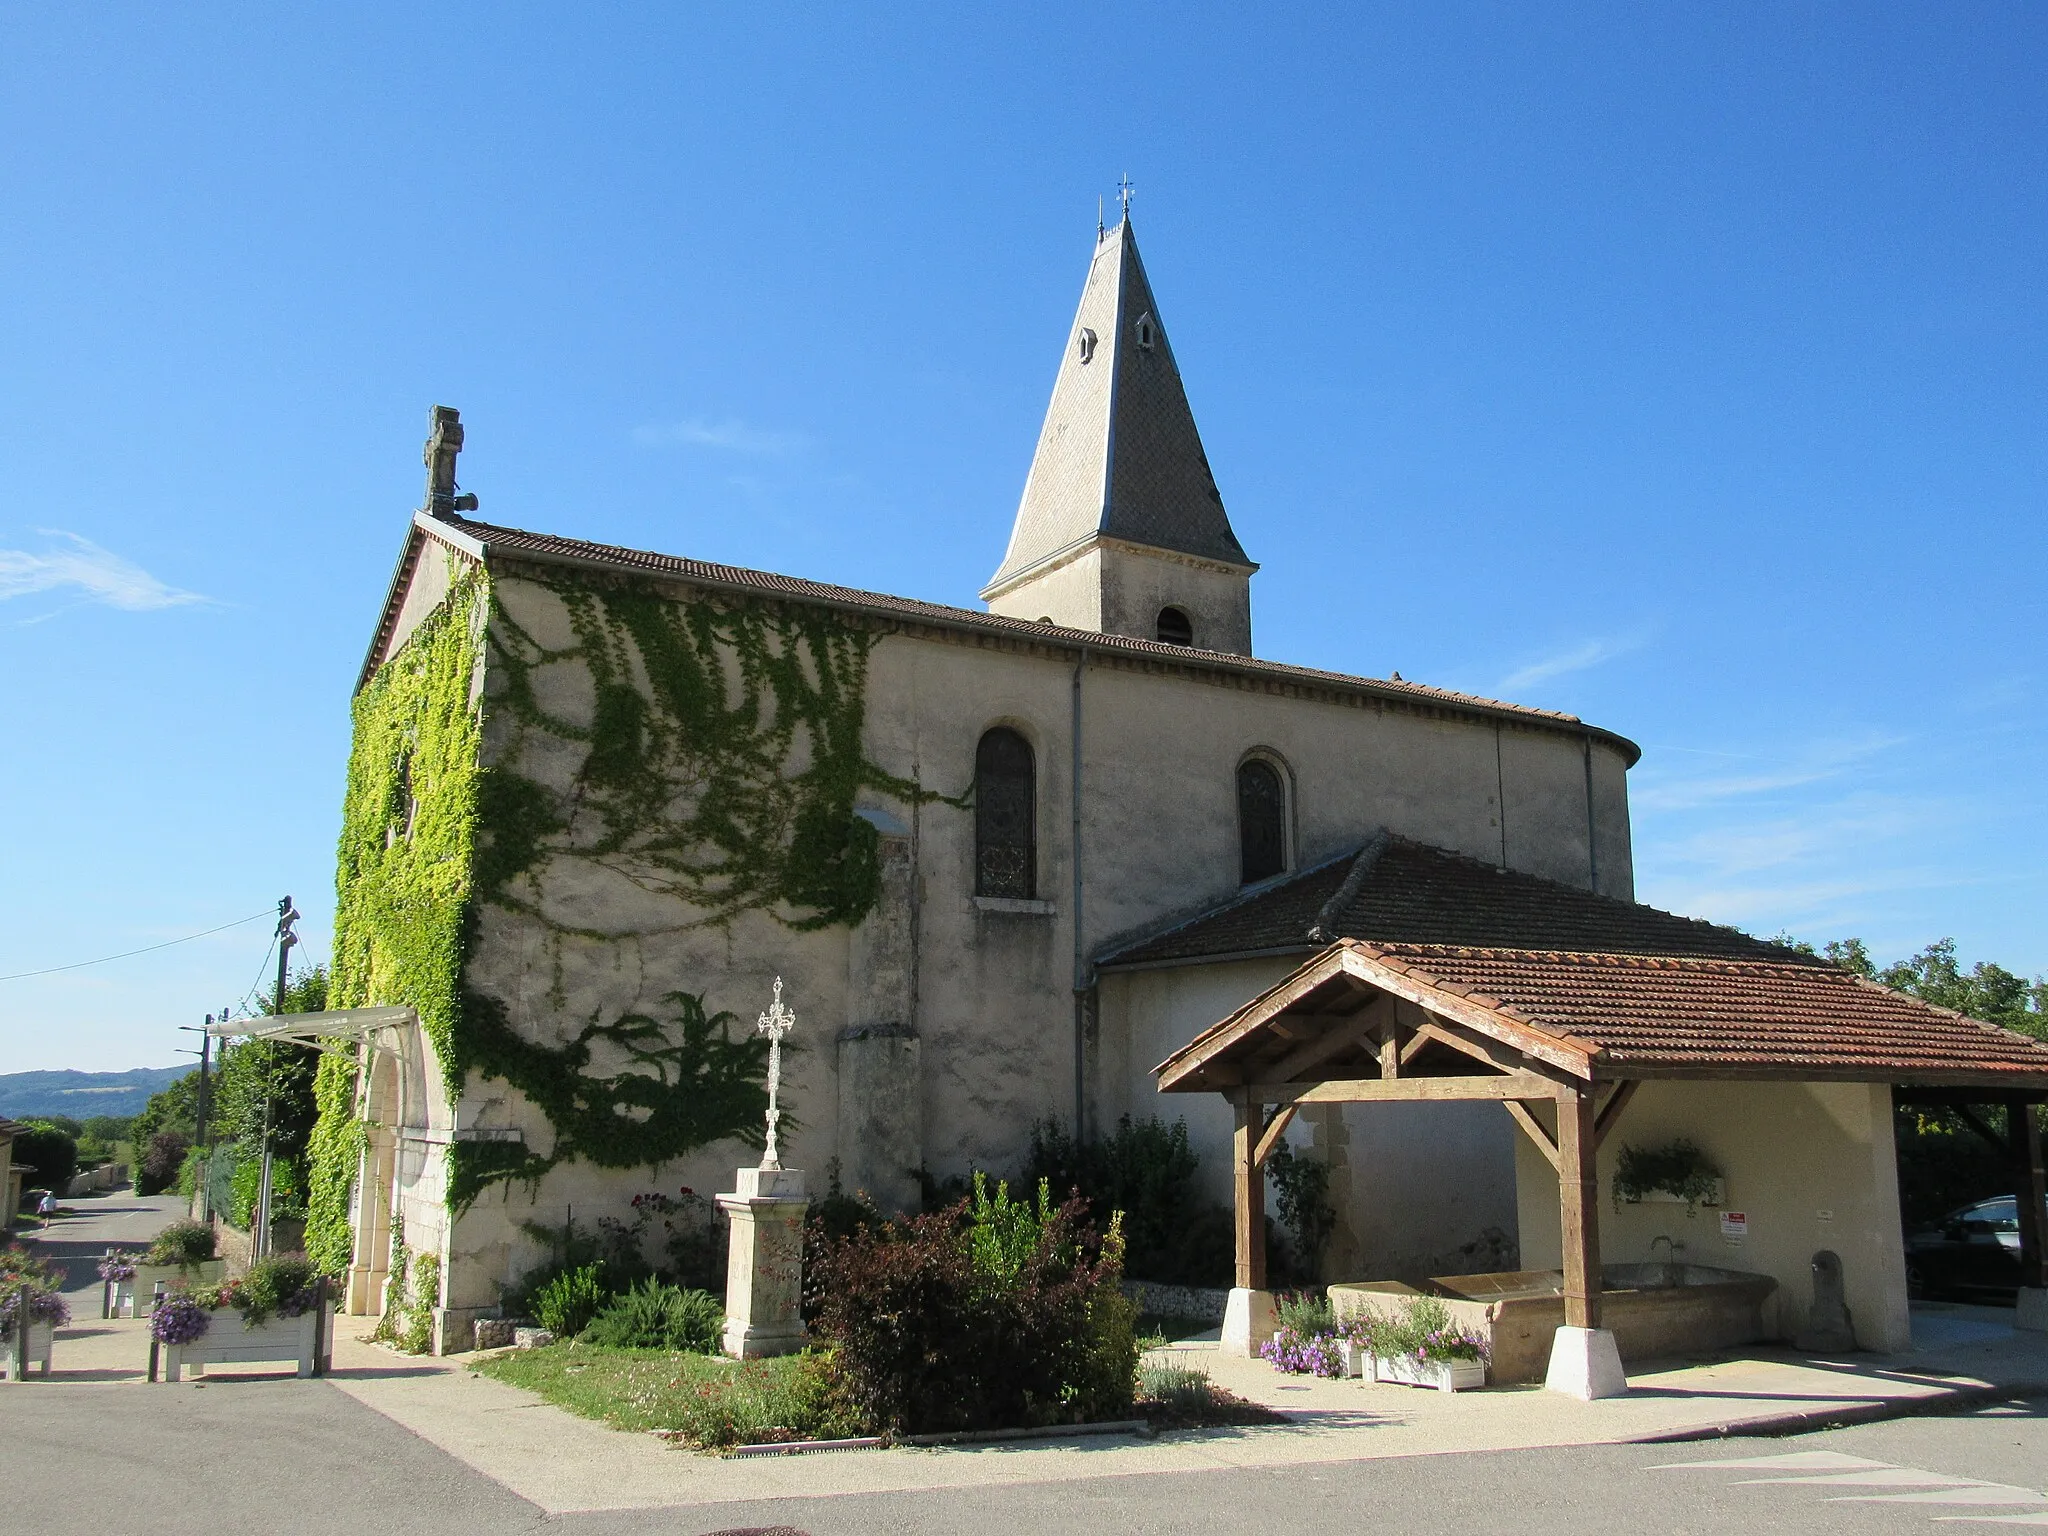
x=982, y=1316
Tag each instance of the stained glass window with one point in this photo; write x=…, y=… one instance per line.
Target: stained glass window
x=1005, y=816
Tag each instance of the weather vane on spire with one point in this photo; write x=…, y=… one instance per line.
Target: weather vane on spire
x=1124, y=188
x=775, y=1023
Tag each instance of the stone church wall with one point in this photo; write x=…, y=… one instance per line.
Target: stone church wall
x=945, y=1024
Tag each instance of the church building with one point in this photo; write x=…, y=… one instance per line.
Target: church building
x=1004, y=862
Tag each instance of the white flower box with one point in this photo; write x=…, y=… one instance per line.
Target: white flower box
x=40, y=1338
x=175, y=1277
x=1354, y=1359
x=230, y=1340
x=1444, y=1375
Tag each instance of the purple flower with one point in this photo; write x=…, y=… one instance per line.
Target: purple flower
x=300, y=1302
x=117, y=1265
x=1303, y=1354
x=41, y=1306
x=180, y=1320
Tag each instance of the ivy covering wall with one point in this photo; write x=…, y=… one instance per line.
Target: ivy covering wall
x=719, y=764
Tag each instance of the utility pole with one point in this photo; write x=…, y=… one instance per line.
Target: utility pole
x=287, y=914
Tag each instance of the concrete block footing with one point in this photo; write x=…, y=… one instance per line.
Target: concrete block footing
x=1249, y=1320
x=1585, y=1363
x=2033, y=1309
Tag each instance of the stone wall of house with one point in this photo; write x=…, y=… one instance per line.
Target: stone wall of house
x=1811, y=1166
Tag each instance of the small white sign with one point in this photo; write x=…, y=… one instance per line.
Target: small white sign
x=1825, y=1215
x=1734, y=1225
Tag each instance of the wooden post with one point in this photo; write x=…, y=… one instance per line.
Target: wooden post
x=2030, y=1183
x=1578, y=1200
x=1249, y=1202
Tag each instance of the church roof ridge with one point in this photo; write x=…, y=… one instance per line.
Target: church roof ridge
x=481, y=541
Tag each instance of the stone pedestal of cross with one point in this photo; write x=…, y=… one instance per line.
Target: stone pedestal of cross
x=764, y=1271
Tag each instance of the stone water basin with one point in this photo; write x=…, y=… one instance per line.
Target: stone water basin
x=1656, y=1311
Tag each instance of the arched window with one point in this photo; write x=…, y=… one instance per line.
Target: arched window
x=1005, y=816
x=1175, y=627
x=1261, y=820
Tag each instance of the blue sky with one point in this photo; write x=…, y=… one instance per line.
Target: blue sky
x=1681, y=367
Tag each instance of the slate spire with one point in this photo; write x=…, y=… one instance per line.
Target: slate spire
x=1119, y=459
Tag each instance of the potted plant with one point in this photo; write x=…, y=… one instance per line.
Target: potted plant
x=183, y=1255
x=1360, y=1343
x=1305, y=1342
x=1679, y=1173
x=277, y=1311
x=31, y=1312
x=117, y=1282
x=1427, y=1348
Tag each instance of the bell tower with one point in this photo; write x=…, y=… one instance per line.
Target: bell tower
x=1121, y=528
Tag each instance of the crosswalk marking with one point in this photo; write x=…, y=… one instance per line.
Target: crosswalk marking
x=1797, y=1461
x=1913, y=1485
x=1875, y=1477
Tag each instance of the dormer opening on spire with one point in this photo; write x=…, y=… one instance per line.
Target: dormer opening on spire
x=1121, y=520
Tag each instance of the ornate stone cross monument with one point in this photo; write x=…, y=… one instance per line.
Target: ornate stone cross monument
x=775, y=1023
x=764, y=1272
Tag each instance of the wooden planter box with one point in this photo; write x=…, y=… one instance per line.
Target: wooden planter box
x=1444, y=1375
x=1354, y=1359
x=40, y=1338
x=175, y=1277
x=231, y=1341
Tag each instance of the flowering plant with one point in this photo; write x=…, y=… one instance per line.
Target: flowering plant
x=180, y=1320
x=39, y=1305
x=119, y=1264
x=1428, y=1332
x=1303, y=1354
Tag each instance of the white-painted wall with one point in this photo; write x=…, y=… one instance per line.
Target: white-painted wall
x=1812, y=1165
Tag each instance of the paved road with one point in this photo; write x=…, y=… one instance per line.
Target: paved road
x=261, y=1456
x=121, y=1219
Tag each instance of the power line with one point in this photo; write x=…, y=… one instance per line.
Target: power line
x=146, y=949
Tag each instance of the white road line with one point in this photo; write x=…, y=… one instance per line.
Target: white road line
x=1877, y=1477
x=1797, y=1461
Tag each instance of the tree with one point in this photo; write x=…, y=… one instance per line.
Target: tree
x=176, y=1108
x=162, y=1157
x=1986, y=991
x=51, y=1154
x=1943, y=1163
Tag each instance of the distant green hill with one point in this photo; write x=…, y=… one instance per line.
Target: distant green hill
x=81, y=1095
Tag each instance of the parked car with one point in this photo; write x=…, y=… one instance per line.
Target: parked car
x=1974, y=1253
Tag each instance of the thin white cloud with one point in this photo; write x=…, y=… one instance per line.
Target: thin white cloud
x=1818, y=763
x=74, y=564
x=1577, y=658
x=729, y=436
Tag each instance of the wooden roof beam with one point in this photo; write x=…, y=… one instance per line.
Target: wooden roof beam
x=1379, y=1090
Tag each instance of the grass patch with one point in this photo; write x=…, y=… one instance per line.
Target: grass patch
x=1157, y=1329
x=710, y=1401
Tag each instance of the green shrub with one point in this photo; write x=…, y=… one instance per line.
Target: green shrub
x=1302, y=1188
x=182, y=1242
x=1176, y=1388
x=1145, y=1169
x=1680, y=1169
x=282, y=1284
x=49, y=1152
x=1306, y=1312
x=657, y=1316
x=287, y=1193
x=567, y=1303
x=163, y=1156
